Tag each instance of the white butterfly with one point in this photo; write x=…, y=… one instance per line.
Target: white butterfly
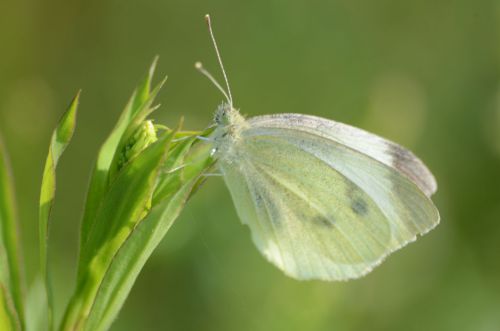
x=323, y=200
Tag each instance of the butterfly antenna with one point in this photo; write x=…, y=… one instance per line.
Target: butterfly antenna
x=209, y=24
x=214, y=81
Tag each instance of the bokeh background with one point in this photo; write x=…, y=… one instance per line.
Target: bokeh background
x=423, y=73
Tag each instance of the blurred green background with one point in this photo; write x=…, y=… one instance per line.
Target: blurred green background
x=423, y=73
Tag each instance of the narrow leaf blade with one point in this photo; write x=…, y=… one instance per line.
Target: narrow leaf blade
x=60, y=139
x=11, y=301
x=99, y=179
x=120, y=211
x=8, y=316
x=130, y=260
x=140, y=244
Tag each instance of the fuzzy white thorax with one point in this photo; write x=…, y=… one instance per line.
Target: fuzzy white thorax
x=229, y=125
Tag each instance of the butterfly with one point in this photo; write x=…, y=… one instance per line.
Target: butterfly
x=323, y=200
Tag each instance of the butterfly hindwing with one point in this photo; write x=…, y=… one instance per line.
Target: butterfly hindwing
x=319, y=209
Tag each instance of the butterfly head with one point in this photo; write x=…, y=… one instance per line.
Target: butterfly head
x=229, y=124
x=229, y=121
x=226, y=115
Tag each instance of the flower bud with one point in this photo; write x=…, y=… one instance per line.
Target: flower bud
x=143, y=136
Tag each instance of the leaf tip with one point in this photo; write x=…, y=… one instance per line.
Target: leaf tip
x=153, y=66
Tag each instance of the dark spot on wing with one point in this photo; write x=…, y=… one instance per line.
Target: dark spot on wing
x=323, y=221
x=412, y=168
x=359, y=206
x=400, y=156
x=258, y=198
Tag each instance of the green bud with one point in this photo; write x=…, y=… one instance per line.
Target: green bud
x=143, y=136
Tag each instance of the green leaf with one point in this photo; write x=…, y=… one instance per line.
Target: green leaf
x=145, y=237
x=60, y=139
x=186, y=159
x=130, y=259
x=8, y=316
x=123, y=207
x=135, y=180
x=11, y=300
x=136, y=121
x=170, y=181
x=35, y=306
x=141, y=100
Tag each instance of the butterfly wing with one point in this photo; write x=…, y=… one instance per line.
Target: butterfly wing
x=380, y=149
x=318, y=208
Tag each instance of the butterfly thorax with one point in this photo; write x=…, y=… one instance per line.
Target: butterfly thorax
x=227, y=135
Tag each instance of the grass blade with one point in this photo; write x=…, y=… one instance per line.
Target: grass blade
x=122, y=208
x=60, y=139
x=11, y=300
x=9, y=319
x=138, y=247
x=141, y=98
x=35, y=306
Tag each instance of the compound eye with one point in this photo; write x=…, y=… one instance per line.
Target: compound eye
x=218, y=118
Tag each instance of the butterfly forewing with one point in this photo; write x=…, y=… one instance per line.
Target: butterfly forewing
x=319, y=209
x=362, y=141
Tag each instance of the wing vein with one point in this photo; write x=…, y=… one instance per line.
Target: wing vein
x=316, y=208
x=283, y=183
x=252, y=190
x=391, y=192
